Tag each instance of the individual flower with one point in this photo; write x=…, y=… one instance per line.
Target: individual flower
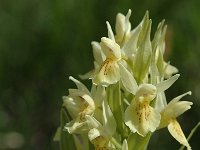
x=101, y=59
x=108, y=72
x=169, y=114
x=79, y=103
x=99, y=134
x=140, y=116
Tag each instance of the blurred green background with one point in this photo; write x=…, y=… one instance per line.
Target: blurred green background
x=42, y=42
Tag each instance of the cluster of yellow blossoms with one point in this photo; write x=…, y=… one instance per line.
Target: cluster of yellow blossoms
x=127, y=100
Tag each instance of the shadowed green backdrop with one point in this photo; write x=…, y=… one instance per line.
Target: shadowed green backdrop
x=43, y=42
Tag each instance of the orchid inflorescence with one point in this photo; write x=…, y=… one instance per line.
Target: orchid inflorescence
x=127, y=101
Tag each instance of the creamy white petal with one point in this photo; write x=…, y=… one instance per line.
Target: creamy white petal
x=97, y=52
x=108, y=119
x=164, y=85
x=110, y=48
x=93, y=133
x=79, y=85
x=128, y=80
x=92, y=122
x=175, y=107
x=96, y=138
x=142, y=118
x=109, y=73
x=89, y=100
x=176, y=131
x=130, y=119
x=76, y=126
x=110, y=32
x=87, y=75
x=125, y=145
x=127, y=22
x=158, y=35
x=73, y=106
x=161, y=101
x=98, y=94
x=169, y=70
x=131, y=46
x=176, y=99
x=180, y=108
x=122, y=26
x=80, y=97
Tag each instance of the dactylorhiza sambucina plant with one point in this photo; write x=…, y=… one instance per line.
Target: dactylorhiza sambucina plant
x=127, y=101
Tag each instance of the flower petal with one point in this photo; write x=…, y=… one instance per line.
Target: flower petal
x=93, y=134
x=97, y=139
x=76, y=126
x=169, y=70
x=108, y=119
x=109, y=73
x=161, y=101
x=99, y=57
x=87, y=75
x=110, y=32
x=110, y=48
x=79, y=85
x=125, y=145
x=73, y=106
x=176, y=131
x=128, y=80
x=175, y=107
x=131, y=46
x=92, y=122
x=142, y=118
x=89, y=100
x=176, y=99
x=130, y=120
x=98, y=94
x=122, y=25
x=164, y=85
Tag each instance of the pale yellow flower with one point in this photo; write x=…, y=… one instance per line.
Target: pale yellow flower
x=81, y=102
x=140, y=117
x=168, y=118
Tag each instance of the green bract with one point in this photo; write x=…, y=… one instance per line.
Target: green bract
x=127, y=101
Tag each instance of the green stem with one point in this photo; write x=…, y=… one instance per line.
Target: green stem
x=137, y=142
x=66, y=140
x=117, y=145
x=116, y=105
